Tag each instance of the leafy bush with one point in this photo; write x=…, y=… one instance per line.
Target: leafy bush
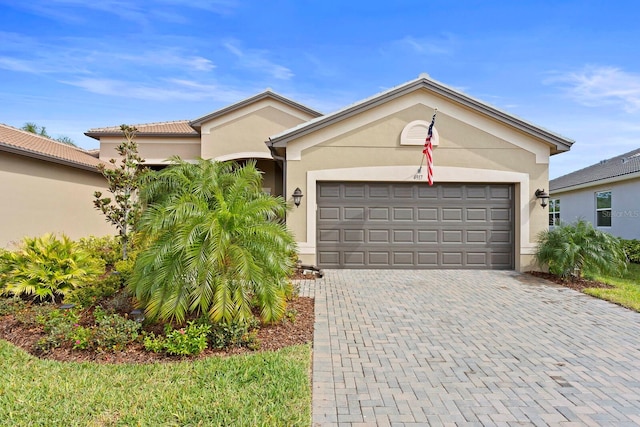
x=10, y=305
x=94, y=292
x=113, y=332
x=234, y=334
x=578, y=248
x=106, y=248
x=58, y=325
x=632, y=249
x=180, y=342
x=47, y=268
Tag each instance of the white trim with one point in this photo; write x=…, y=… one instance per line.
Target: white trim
x=472, y=118
x=244, y=155
x=250, y=109
x=408, y=174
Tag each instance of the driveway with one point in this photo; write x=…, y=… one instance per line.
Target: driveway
x=470, y=348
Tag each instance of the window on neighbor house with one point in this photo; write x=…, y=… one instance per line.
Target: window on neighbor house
x=554, y=212
x=603, y=208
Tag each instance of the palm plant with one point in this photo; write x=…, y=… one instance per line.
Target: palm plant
x=47, y=268
x=216, y=244
x=574, y=249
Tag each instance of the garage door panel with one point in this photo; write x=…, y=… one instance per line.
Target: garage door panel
x=379, y=236
x=427, y=214
x=452, y=214
x=407, y=225
x=352, y=236
x=329, y=213
x=379, y=214
x=354, y=258
x=353, y=214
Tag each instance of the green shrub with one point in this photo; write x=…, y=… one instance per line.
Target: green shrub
x=58, y=326
x=81, y=337
x=113, y=332
x=578, y=248
x=47, y=268
x=234, y=334
x=632, y=249
x=93, y=292
x=10, y=305
x=106, y=248
x=186, y=341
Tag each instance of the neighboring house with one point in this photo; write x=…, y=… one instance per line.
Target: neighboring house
x=364, y=203
x=606, y=194
x=47, y=186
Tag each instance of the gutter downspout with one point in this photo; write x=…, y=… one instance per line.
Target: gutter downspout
x=282, y=161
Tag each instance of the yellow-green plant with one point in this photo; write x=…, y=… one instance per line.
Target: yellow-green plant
x=47, y=268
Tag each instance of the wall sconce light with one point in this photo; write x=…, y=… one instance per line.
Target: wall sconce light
x=543, y=196
x=297, y=196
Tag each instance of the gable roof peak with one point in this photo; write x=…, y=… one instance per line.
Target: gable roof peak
x=424, y=81
x=267, y=93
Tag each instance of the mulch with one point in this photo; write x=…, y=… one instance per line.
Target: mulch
x=575, y=283
x=293, y=330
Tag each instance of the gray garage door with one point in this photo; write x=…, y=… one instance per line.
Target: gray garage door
x=398, y=225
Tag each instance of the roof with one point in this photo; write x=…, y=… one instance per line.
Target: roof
x=25, y=143
x=615, y=167
x=173, y=128
x=267, y=94
x=560, y=143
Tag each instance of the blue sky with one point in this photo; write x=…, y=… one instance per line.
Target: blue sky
x=572, y=67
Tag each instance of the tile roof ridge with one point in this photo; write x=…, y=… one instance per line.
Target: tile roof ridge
x=45, y=138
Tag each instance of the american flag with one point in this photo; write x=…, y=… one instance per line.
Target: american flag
x=428, y=150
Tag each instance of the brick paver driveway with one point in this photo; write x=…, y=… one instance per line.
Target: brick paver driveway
x=470, y=348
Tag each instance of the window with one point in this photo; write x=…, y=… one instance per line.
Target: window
x=554, y=212
x=603, y=208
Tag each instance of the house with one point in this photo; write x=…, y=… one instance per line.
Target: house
x=47, y=186
x=365, y=202
x=605, y=194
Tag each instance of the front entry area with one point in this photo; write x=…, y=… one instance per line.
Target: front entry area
x=413, y=225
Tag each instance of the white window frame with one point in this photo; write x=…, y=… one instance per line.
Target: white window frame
x=598, y=210
x=554, y=212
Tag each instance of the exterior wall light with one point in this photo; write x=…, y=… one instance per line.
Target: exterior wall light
x=543, y=196
x=297, y=196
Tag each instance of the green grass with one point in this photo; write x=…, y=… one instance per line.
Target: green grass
x=262, y=389
x=626, y=290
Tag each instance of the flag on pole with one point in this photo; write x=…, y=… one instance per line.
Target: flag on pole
x=428, y=149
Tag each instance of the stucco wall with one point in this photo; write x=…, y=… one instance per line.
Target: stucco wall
x=39, y=197
x=625, y=207
x=472, y=148
x=245, y=132
x=155, y=150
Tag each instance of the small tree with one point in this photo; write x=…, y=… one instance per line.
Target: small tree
x=123, y=184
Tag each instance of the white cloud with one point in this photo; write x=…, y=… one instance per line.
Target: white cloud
x=162, y=90
x=255, y=59
x=601, y=86
x=426, y=46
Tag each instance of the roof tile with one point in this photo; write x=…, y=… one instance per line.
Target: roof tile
x=178, y=127
x=623, y=164
x=31, y=144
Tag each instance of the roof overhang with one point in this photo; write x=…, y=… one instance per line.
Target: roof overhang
x=596, y=183
x=558, y=143
x=39, y=156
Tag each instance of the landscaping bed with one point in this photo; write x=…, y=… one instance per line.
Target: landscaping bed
x=295, y=328
x=578, y=284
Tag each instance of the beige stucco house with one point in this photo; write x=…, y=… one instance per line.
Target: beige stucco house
x=364, y=203
x=47, y=187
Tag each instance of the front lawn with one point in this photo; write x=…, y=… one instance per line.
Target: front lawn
x=267, y=388
x=625, y=290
